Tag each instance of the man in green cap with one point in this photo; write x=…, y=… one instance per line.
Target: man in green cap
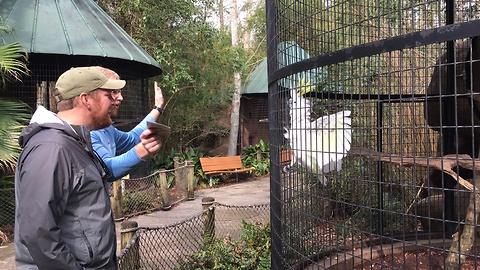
x=63, y=217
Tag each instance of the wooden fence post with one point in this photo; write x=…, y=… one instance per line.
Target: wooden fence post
x=132, y=257
x=259, y=155
x=116, y=200
x=162, y=181
x=190, y=180
x=208, y=217
x=179, y=174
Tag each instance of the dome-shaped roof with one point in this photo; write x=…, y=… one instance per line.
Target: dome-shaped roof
x=74, y=33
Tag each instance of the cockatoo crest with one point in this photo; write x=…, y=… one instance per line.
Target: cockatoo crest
x=318, y=145
x=304, y=86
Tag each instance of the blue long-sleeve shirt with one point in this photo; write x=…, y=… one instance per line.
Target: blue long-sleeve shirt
x=116, y=148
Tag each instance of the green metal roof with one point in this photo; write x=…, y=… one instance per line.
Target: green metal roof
x=79, y=28
x=257, y=81
x=289, y=53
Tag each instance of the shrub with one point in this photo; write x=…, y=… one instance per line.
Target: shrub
x=251, y=251
x=257, y=156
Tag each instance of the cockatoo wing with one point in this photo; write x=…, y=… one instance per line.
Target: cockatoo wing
x=318, y=145
x=332, y=140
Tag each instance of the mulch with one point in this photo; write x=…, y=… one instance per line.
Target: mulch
x=422, y=260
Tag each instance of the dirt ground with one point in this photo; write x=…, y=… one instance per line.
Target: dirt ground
x=425, y=260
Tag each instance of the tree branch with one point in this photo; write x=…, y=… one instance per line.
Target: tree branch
x=445, y=163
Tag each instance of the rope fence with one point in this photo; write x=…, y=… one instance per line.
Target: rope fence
x=160, y=190
x=130, y=197
x=165, y=247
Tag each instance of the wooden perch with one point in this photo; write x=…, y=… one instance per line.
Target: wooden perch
x=445, y=163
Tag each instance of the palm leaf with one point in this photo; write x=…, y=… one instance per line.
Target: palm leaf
x=13, y=114
x=13, y=118
x=12, y=63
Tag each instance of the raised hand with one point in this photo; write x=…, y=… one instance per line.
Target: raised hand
x=158, y=96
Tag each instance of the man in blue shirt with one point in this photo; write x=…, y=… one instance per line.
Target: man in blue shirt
x=123, y=151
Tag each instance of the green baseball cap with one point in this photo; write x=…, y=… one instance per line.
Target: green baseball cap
x=79, y=80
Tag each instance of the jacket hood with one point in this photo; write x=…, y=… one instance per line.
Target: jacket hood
x=44, y=119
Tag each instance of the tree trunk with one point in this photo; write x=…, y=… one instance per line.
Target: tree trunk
x=235, y=115
x=247, y=44
x=220, y=14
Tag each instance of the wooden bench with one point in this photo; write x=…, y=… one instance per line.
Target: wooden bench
x=285, y=157
x=223, y=165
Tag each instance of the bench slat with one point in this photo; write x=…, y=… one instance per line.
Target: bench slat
x=285, y=156
x=217, y=165
x=230, y=171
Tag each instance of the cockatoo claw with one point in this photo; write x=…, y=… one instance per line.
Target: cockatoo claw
x=286, y=168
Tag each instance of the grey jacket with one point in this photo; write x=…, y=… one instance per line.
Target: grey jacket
x=63, y=216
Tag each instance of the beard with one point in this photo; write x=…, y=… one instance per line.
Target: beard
x=100, y=118
x=114, y=110
x=101, y=122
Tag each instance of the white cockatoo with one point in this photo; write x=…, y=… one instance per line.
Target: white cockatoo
x=318, y=145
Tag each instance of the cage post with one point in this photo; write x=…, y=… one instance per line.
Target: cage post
x=126, y=235
x=208, y=216
x=162, y=182
x=190, y=168
x=116, y=200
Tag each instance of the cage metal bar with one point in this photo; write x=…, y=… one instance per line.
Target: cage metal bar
x=380, y=167
x=399, y=62
x=426, y=37
x=449, y=112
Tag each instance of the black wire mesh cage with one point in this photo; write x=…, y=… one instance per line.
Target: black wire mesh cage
x=38, y=87
x=374, y=120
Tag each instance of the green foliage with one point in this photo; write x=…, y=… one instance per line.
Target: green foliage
x=12, y=63
x=212, y=181
x=257, y=156
x=251, y=251
x=13, y=117
x=7, y=182
x=137, y=201
x=351, y=195
x=256, y=27
x=13, y=114
x=197, y=60
x=393, y=217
